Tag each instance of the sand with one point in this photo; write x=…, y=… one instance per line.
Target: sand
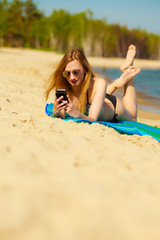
x=62, y=180
x=116, y=62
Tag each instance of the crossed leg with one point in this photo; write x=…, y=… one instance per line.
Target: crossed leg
x=120, y=82
x=127, y=109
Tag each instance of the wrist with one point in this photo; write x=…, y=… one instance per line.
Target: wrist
x=77, y=115
x=55, y=113
x=115, y=83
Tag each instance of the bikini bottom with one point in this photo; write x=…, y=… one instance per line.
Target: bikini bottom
x=113, y=100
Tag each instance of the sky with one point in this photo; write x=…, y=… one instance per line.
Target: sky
x=141, y=14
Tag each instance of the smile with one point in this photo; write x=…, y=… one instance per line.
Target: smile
x=74, y=81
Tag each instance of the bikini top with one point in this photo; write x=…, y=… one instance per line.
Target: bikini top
x=88, y=105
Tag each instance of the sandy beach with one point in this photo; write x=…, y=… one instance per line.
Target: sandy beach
x=65, y=180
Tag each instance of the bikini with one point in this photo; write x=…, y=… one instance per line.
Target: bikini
x=112, y=99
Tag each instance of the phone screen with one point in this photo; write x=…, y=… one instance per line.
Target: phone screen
x=62, y=92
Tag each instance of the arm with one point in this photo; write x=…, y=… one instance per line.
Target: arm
x=98, y=98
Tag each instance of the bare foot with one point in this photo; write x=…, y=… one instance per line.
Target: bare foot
x=126, y=76
x=129, y=58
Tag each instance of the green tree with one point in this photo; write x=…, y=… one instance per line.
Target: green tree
x=39, y=34
x=23, y=24
x=3, y=21
x=31, y=16
x=15, y=31
x=59, y=30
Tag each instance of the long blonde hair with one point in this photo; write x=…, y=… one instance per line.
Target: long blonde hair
x=58, y=81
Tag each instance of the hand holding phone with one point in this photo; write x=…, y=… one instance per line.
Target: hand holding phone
x=60, y=105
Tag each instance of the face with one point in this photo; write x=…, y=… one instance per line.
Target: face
x=74, y=73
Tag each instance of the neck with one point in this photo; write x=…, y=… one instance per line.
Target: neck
x=76, y=91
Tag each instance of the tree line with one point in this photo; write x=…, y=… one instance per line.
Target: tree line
x=22, y=24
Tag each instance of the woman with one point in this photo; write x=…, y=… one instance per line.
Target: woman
x=87, y=98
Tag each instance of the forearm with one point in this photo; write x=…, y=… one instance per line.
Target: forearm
x=111, y=88
x=82, y=116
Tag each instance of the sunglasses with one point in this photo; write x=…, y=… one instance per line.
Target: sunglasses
x=75, y=72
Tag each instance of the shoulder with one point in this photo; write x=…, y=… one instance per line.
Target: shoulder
x=98, y=88
x=99, y=83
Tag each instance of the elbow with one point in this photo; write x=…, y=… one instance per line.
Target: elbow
x=92, y=119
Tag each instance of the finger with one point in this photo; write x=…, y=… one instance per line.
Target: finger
x=59, y=99
x=63, y=103
x=69, y=100
x=63, y=107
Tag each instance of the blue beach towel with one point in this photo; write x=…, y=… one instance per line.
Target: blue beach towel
x=126, y=127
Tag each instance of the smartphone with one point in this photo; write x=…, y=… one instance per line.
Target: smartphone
x=62, y=92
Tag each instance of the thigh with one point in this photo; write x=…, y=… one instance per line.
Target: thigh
x=107, y=111
x=123, y=114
